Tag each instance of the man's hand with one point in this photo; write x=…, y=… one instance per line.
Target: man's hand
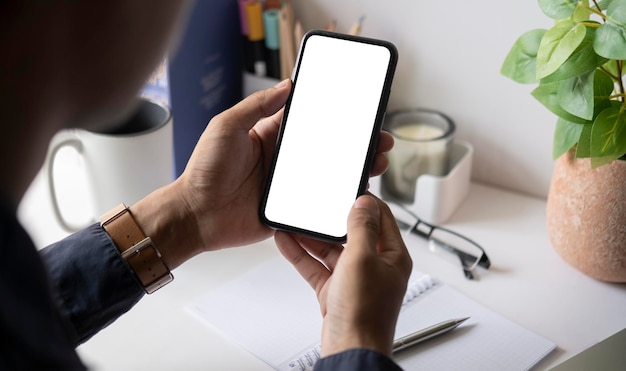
x=359, y=287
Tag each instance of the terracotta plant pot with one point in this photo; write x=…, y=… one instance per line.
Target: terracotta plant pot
x=586, y=216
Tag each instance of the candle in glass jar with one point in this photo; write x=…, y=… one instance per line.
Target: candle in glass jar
x=421, y=147
x=432, y=152
x=418, y=131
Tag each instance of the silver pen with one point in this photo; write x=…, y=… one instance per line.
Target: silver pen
x=427, y=333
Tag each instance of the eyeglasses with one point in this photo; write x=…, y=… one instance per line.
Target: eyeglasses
x=442, y=240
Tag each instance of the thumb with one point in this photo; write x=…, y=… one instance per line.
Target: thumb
x=364, y=224
x=263, y=103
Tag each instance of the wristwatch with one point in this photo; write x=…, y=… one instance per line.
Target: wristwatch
x=139, y=251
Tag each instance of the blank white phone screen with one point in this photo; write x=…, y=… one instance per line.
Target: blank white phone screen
x=327, y=134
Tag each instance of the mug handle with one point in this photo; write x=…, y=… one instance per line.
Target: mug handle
x=61, y=139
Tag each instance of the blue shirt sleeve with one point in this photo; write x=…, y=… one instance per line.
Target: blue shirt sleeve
x=357, y=359
x=32, y=331
x=92, y=284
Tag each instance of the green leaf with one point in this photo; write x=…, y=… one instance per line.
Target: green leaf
x=557, y=45
x=599, y=161
x=566, y=135
x=583, y=149
x=611, y=67
x=603, y=87
x=582, y=12
x=604, y=4
x=611, y=41
x=547, y=94
x=520, y=64
x=558, y=9
x=583, y=59
x=616, y=12
x=608, y=135
x=575, y=95
x=569, y=133
x=611, y=36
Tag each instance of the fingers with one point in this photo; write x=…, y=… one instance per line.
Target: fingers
x=390, y=232
x=261, y=104
x=372, y=225
x=390, y=239
x=313, y=271
x=364, y=224
x=381, y=162
x=268, y=127
x=328, y=253
x=385, y=144
x=266, y=130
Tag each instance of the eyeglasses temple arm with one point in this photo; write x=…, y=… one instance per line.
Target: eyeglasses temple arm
x=462, y=255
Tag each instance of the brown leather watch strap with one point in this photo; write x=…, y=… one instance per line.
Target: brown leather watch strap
x=138, y=250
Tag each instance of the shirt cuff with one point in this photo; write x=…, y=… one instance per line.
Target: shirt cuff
x=91, y=283
x=357, y=359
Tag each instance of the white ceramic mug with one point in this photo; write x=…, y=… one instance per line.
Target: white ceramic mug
x=122, y=165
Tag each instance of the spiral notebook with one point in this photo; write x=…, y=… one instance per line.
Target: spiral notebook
x=273, y=313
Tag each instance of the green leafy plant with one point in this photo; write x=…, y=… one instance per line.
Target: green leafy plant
x=578, y=65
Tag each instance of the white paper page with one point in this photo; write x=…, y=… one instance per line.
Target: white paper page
x=271, y=312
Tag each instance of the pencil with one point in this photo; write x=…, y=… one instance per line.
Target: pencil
x=298, y=34
x=332, y=26
x=356, y=28
x=287, y=53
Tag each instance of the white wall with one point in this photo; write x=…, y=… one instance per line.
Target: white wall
x=450, y=57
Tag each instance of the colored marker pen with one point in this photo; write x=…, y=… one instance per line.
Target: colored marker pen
x=256, y=35
x=245, y=42
x=272, y=42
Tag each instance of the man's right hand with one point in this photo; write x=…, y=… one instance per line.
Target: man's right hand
x=359, y=287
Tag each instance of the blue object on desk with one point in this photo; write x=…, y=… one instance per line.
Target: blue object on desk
x=204, y=73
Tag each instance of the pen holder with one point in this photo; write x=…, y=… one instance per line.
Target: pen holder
x=252, y=83
x=438, y=197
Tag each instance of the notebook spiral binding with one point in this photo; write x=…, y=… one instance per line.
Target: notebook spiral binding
x=306, y=361
x=417, y=288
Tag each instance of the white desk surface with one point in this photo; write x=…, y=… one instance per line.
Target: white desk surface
x=528, y=283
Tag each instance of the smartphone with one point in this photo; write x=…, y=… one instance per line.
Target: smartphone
x=329, y=133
